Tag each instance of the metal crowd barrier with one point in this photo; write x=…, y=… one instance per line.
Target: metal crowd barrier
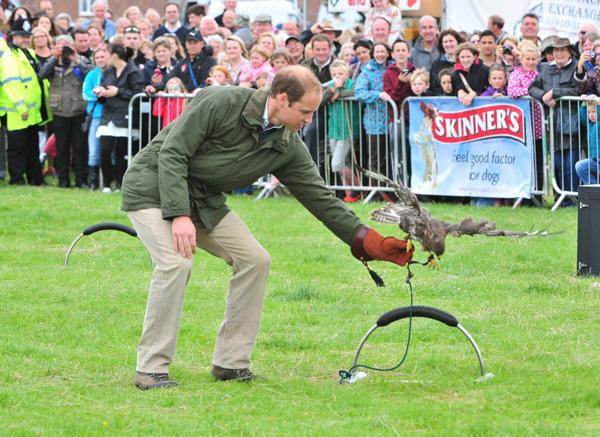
x=539, y=157
x=388, y=153
x=148, y=114
x=365, y=150
x=372, y=152
x=569, y=128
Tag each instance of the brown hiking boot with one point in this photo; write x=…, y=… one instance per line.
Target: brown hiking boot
x=222, y=374
x=145, y=381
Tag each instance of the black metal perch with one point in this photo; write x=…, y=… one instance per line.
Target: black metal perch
x=106, y=226
x=416, y=311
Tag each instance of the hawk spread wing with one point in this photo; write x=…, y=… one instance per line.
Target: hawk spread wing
x=419, y=225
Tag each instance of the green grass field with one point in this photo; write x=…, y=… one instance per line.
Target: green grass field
x=68, y=334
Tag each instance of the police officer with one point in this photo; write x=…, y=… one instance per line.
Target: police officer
x=28, y=111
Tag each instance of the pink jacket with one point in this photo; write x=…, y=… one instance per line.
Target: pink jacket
x=518, y=86
x=249, y=73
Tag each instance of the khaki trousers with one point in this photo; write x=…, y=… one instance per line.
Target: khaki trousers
x=230, y=240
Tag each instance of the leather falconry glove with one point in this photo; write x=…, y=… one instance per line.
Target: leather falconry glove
x=369, y=245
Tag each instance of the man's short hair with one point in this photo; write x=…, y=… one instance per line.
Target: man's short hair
x=364, y=43
x=199, y=10
x=99, y=2
x=67, y=38
x=487, y=33
x=171, y=3
x=497, y=20
x=384, y=18
x=426, y=17
x=295, y=81
x=320, y=37
x=79, y=30
x=531, y=15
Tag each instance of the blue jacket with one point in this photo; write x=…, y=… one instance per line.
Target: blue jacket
x=92, y=80
x=369, y=86
x=110, y=28
x=592, y=128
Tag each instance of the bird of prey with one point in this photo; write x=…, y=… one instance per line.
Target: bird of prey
x=419, y=225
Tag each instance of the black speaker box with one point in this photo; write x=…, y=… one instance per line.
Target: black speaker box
x=588, y=230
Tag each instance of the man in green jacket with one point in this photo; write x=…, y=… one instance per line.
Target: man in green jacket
x=227, y=138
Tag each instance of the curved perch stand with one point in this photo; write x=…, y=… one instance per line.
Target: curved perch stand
x=424, y=312
x=100, y=227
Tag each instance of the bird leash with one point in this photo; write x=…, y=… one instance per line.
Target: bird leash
x=350, y=376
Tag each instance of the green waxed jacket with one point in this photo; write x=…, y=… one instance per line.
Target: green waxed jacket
x=217, y=145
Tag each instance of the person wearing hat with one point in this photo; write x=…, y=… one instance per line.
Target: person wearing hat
x=262, y=23
x=326, y=28
x=546, y=48
x=556, y=80
x=296, y=49
x=28, y=111
x=194, y=69
x=173, y=193
x=9, y=93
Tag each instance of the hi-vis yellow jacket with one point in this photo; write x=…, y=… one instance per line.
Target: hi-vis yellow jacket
x=20, y=89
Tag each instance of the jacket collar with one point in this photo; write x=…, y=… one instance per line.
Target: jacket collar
x=253, y=116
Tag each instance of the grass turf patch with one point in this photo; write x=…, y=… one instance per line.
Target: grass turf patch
x=68, y=334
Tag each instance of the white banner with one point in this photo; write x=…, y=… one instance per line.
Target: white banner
x=348, y=5
x=365, y=5
x=564, y=17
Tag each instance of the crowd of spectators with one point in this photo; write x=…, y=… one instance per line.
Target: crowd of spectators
x=66, y=108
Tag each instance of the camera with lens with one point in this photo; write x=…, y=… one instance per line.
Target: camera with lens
x=589, y=65
x=507, y=50
x=67, y=51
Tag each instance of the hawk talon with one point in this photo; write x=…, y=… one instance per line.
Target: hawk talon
x=434, y=264
x=409, y=245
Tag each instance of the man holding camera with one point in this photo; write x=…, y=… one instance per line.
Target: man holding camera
x=66, y=70
x=28, y=111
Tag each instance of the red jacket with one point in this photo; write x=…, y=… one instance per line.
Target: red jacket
x=168, y=108
x=397, y=90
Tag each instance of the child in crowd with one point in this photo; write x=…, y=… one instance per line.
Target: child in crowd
x=259, y=64
x=587, y=169
x=219, y=75
x=262, y=81
x=279, y=59
x=498, y=80
x=419, y=82
x=389, y=10
x=169, y=108
x=518, y=86
x=343, y=124
x=445, y=77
